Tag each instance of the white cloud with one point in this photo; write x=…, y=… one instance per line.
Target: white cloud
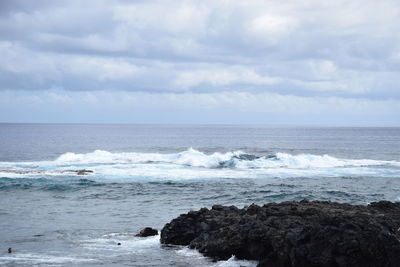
x=176, y=17
x=269, y=28
x=225, y=107
x=238, y=49
x=222, y=77
x=20, y=60
x=102, y=69
x=323, y=67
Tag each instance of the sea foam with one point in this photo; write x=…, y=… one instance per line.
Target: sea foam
x=196, y=164
x=195, y=158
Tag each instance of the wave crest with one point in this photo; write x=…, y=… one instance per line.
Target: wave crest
x=234, y=159
x=193, y=163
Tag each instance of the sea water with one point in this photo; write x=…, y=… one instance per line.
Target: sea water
x=145, y=175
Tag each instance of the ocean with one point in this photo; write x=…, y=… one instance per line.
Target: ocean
x=70, y=193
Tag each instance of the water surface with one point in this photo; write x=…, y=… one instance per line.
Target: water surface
x=141, y=175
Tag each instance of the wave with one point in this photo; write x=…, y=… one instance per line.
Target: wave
x=235, y=159
x=190, y=157
x=30, y=259
x=231, y=262
x=196, y=164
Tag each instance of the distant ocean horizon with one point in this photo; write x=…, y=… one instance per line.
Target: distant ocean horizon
x=70, y=192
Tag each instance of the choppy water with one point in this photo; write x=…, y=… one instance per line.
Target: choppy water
x=141, y=176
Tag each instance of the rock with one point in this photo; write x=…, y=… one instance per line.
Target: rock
x=306, y=233
x=83, y=172
x=148, y=231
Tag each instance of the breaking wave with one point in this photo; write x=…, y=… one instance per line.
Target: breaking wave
x=196, y=164
x=238, y=159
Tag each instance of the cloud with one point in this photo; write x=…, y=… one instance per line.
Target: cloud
x=222, y=77
x=305, y=49
x=223, y=107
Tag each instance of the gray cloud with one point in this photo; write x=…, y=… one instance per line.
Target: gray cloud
x=299, y=48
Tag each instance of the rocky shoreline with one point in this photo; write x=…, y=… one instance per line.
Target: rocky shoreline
x=305, y=233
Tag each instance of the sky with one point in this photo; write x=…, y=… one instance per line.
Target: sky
x=302, y=62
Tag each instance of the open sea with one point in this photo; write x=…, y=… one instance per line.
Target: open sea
x=52, y=213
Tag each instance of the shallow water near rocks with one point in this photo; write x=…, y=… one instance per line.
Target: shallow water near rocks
x=147, y=175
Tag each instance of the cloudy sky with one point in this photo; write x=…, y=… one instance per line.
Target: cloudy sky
x=303, y=62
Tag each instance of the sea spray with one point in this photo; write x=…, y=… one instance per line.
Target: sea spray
x=194, y=164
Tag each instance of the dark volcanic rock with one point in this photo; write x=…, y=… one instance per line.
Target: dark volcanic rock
x=316, y=233
x=148, y=231
x=83, y=172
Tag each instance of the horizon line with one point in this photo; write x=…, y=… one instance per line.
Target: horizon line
x=207, y=124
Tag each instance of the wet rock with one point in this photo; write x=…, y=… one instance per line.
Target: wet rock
x=246, y=157
x=83, y=172
x=148, y=231
x=306, y=233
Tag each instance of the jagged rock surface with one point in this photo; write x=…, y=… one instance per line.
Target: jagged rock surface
x=147, y=231
x=304, y=233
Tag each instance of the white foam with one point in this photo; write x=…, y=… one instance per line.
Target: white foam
x=195, y=158
x=307, y=161
x=194, y=164
x=233, y=262
x=128, y=243
x=30, y=258
x=190, y=157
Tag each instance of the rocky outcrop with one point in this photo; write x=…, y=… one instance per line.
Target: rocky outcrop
x=301, y=233
x=83, y=172
x=147, y=231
